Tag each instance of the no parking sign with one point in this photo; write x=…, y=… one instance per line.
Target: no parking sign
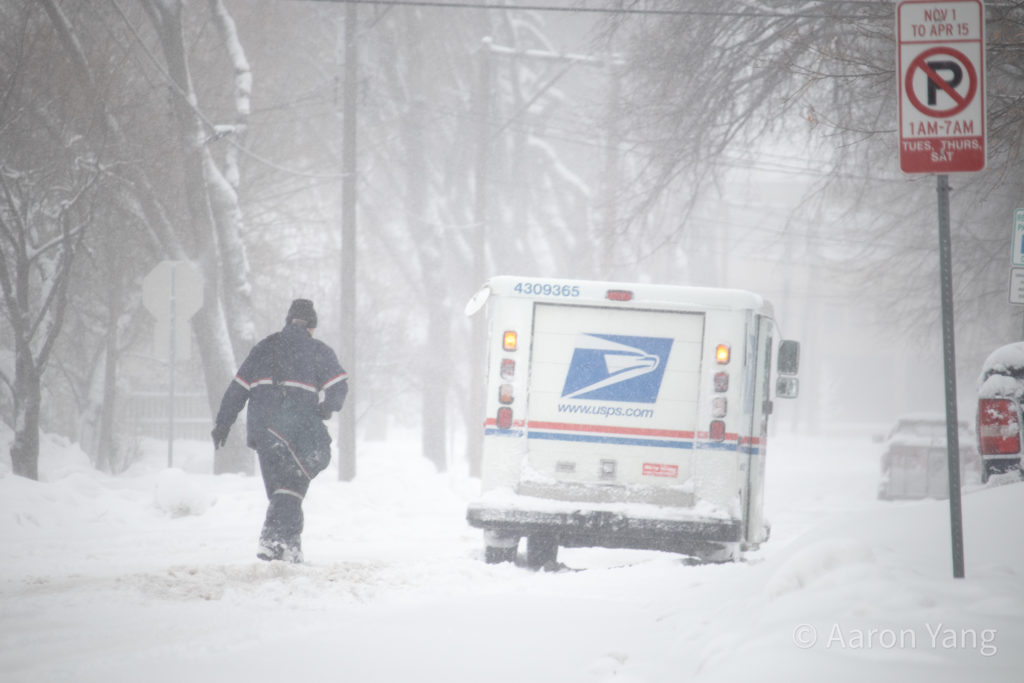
x=942, y=85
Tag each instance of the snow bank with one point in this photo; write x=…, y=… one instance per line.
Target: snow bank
x=151, y=576
x=177, y=494
x=816, y=561
x=58, y=457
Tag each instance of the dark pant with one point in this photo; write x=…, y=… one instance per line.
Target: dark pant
x=286, y=484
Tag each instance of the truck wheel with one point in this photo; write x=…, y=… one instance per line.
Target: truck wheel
x=497, y=555
x=726, y=552
x=541, y=550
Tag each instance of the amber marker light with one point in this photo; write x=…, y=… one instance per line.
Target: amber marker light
x=722, y=354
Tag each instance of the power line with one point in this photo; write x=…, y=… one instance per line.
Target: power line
x=177, y=90
x=633, y=11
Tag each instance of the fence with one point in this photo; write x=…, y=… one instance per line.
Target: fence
x=146, y=415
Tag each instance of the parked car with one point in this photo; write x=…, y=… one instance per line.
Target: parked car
x=915, y=459
x=1000, y=393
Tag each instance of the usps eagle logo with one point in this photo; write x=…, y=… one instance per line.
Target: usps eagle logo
x=613, y=367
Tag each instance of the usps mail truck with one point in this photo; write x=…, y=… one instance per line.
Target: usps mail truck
x=625, y=416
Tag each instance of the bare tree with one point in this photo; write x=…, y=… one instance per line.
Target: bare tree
x=210, y=236
x=431, y=153
x=709, y=82
x=200, y=167
x=43, y=218
x=47, y=182
x=102, y=326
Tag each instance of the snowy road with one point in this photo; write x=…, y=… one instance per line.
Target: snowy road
x=151, y=576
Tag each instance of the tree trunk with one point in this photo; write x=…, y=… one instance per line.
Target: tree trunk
x=106, y=445
x=223, y=188
x=218, y=371
x=25, y=449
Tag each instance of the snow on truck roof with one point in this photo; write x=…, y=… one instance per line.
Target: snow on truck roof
x=1002, y=373
x=1005, y=358
x=672, y=296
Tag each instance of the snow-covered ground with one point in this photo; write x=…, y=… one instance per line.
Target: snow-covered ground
x=151, y=576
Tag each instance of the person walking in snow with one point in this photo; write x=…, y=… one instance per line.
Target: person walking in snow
x=293, y=383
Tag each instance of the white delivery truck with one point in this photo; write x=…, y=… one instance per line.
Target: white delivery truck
x=625, y=416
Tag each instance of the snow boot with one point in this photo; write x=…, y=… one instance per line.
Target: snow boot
x=286, y=551
x=282, y=529
x=292, y=551
x=268, y=550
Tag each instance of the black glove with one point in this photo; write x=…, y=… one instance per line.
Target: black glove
x=220, y=435
x=323, y=411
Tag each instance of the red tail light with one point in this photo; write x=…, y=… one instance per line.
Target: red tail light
x=998, y=427
x=717, y=430
x=504, y=418
x=721, y=382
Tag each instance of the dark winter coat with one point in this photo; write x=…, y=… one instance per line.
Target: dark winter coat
x=283, y=379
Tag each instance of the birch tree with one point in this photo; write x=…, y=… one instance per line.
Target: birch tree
x=211, y=237
x=211, y=234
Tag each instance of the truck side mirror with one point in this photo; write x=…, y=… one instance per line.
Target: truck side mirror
x=787, y=387
x=789, y=357
x=478, y=300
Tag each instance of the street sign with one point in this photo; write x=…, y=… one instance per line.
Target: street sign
x=173, y=293
x=1017, y=242
x=941, y=75
x=1017, y=285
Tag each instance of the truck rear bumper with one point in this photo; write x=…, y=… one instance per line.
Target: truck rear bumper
x=1002, y=459
x=587, y=526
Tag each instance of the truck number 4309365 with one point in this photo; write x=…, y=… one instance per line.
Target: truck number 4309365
x=546, y=289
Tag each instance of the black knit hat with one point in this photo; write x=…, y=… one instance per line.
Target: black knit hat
x=302, y=309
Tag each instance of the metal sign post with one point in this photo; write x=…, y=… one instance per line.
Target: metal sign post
x=956, y=524
x=941, y=77
x=170, y=375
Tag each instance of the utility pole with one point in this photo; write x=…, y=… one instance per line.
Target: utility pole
x=478, y=407
x=349, y=188
x=610, y=179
